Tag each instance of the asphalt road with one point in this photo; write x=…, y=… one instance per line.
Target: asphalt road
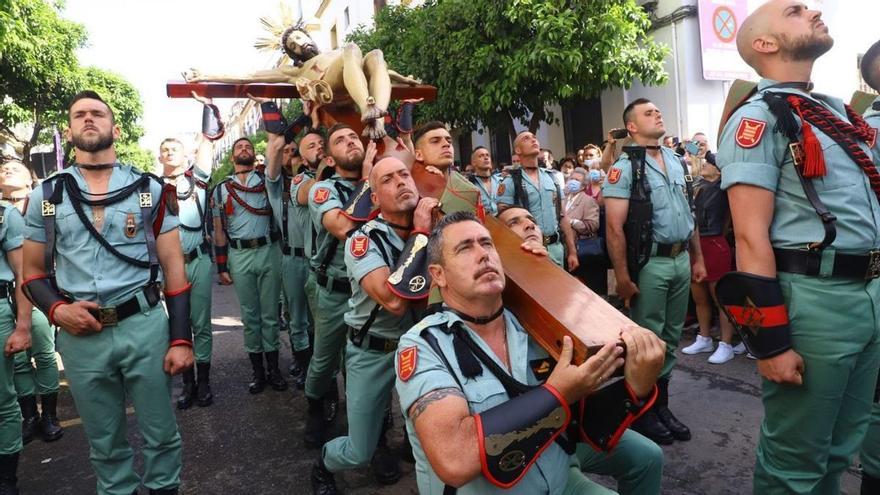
x=249, y=445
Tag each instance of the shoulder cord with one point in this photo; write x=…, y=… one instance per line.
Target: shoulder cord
x=344, y=194
x=380, y=239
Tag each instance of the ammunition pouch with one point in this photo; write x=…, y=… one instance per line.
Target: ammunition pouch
x=212, y=126
x=409, y=278
x=273, y=121
x=755, y=306
x=43, y=292
x=512, y=435
x=603, y=417
x=179, y=327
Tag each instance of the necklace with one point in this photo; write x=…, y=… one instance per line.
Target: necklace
x=480, y=320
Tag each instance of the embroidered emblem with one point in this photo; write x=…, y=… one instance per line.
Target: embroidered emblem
x=613, y=176
x=130, y=226
x=417, y=283
x=321, y=195
x=501, y=189
x=406, y=362
x=297, y=179
x=47, y=208
x=749, y=132
x=145, y=200
x=359, y=245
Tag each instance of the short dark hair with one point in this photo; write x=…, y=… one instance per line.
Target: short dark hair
x=627, y=112
x=478, y=148
x=170, y=140
x=336, y=128
x=426, y=128
x=435, y=242
x=88, y=94
x=242, y=139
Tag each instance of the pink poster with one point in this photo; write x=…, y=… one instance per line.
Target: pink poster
x=719, y=23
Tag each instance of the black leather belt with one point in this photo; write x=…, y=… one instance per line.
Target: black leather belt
x=111, y=315
x=372, y=342
x=551, y=239
x=672, y=250
x=859, y=266
x=333, y=284
x=253, y=243
x=190, y=256
x=285, y=250
x=301, y=252
x=5, y=287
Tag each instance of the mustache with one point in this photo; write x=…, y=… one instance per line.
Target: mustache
x=485, y=270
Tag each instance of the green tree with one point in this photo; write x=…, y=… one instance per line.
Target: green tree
x=37, y=63
x=498, y=60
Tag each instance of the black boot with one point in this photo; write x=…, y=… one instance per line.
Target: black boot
x=185, y=399
x=870, y=485
x=204, y=397
x=50, y=428
x=300, y=367
x=661, y=407
x=8, y=470
x=385, y=464
x=313, y=436
x=29, y=417
x=322, y=480
x=650, y=426
x=332, y=406
x=273, y=373
x=259, y=382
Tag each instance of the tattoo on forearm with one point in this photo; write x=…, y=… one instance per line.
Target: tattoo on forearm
x=433, y=396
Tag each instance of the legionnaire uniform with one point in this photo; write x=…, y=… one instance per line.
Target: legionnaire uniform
x=332, y=291
x=41, y=380
x=825, y=302
x=664, y=282
x=870, y=453
x=195, y=240
x=11, y=238
x=292, y=220
x=369, y=353
x=430, y=357
x=254, y=258
x=544, y=202
x=488, y=194
x=118, y=268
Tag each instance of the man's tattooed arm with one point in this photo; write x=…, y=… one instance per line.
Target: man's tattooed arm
x=433, y=396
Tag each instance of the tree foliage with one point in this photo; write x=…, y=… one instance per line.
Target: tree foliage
x=40, y=73
x=498, y=60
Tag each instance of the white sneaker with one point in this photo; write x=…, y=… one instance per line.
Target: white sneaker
x=702, y=344
x=739, y=349
x=723, y=354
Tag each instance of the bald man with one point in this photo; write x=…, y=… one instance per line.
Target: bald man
x=786, y=155
x=376, y=318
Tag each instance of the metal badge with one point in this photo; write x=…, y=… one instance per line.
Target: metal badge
x=130, y=226
x=417, y=283
x=146, y=200
x=48, y=208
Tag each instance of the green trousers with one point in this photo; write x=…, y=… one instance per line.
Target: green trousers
x=636, y=463
x=295, y=272
x=10, y=414
x=811, y=432
x=330, y=338
x=369, y=381
x=125, y=362
x=870, y=453
x=257, y=281
x=43, y=379
x=661, y=305
x=199, y=273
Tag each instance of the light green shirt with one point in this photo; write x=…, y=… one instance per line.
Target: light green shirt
x=323, y=197
x=11, y=238
x=189, y=209
x=542, y=198
x=673, y=221
x=845, y=189
x=243, y=224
